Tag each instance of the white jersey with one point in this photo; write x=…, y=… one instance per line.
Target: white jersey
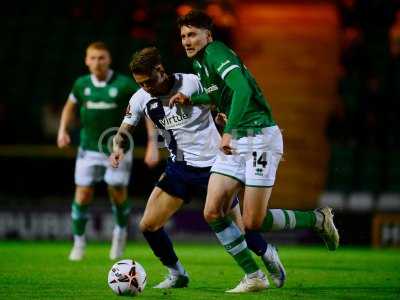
x=189, y=131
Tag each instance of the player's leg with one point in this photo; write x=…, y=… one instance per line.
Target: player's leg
x=258, y=245
x=121, y=208
x=79, y=215
x=118, y=180
x=320, y=220
x=87, y=173
x=221, y=189
x=160, y=207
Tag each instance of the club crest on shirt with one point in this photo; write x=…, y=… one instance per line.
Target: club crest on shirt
x=113, y=92
x=87, y=91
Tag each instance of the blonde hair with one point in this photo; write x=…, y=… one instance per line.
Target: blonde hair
x=98, y=45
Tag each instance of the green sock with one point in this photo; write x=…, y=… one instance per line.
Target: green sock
x=283, y=219
x=79, y=215
x=233, y=240
x=121, y=212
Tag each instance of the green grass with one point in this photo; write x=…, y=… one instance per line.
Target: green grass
x=40, y=270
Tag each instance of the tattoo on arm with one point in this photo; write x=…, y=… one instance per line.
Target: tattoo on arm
x=121, y=139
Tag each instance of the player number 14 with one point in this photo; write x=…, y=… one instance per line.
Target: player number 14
x=261, y=160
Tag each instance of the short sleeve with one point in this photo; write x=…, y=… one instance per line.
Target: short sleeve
x=75, y=92
x=134, y=110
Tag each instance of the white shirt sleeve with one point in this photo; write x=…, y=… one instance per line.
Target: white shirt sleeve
x=134, y=111
x=72, y=98
x=191, y=85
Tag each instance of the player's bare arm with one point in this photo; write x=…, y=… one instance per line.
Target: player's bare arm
x=152, y=156
x=179, y=98
x=120, y=144
x=67, y=117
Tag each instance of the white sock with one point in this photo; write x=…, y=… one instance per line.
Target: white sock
x=120, y=231
x=267, y=255
x=256, y=274
x=79, y=241
x=319, y=219
x=177, y=269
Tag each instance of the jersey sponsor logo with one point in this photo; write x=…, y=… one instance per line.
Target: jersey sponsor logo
x=113, y=92
x=87, y=91
x=175, y=121
x=211, y=89
x=100, y=105
x=223, y=64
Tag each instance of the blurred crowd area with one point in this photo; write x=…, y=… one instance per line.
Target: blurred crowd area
x=43, y=47
x=364, y=128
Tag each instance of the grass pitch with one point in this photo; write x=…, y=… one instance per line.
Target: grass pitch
x=40, y=270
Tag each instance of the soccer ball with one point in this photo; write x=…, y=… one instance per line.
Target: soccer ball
x=127, y=277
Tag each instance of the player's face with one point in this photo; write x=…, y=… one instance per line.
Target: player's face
x=194, y=39
x=151, y=83
x=98, y=61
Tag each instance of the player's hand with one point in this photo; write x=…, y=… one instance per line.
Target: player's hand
x=179, y=98
x=221, y=119
x=152, y=157
x=63, y=139
x=225, y=145
x=116, y=157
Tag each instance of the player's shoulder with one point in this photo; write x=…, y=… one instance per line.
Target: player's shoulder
x=83, y=80
x=122, y=78
x=186, y=77
x=140, y=97
x=217, y=47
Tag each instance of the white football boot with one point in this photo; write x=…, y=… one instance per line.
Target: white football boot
x=78, y=250
x=254, y=284
x=328, y=232
x=274, y=266
x=118, y=242
x=173, y=281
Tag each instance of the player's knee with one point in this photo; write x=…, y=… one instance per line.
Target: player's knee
x=211, y=215
x=84, y=195
x=148, y=225
x=252, y=223
x=117, y=194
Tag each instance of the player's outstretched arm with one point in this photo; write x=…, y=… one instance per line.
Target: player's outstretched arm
x=179, y=98
x=152, y=157
x=67, y=117
x=120, y=144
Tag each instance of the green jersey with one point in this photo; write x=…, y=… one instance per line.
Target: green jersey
x=102, y=105
x=212, y=65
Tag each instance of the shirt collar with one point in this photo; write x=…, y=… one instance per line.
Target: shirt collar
x=101, y=83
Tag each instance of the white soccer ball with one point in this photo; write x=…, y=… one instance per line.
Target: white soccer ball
x=127, y=277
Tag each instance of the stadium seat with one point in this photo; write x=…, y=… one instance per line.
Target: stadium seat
x=360, y=202
x=388, y=202
x=332, y=199
x=341, y=168
x=369, y=171
x=393, y=171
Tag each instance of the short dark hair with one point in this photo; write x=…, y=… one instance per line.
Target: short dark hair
x=144, y=61
x=196, y=18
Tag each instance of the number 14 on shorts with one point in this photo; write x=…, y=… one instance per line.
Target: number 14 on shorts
x=259, y=162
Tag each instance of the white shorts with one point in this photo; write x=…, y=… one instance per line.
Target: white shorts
x=92, y=167
x=255, y=160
